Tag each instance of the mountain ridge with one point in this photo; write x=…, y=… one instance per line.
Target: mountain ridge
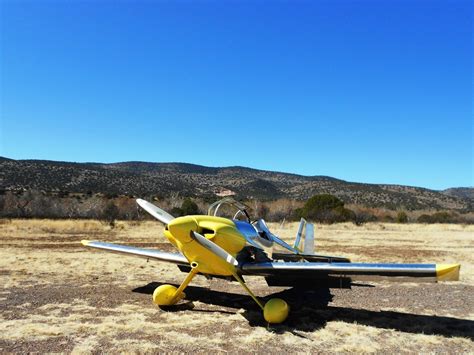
x=139, y=178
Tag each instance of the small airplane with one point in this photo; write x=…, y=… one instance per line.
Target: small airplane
x=232, y=248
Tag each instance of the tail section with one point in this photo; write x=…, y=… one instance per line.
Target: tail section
x=305, y=231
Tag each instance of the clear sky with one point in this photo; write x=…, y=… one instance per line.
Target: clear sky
x=366, y=91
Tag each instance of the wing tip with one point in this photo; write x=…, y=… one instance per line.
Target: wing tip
x=447, y=272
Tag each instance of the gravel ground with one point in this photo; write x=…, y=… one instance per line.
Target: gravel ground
x=60, y=298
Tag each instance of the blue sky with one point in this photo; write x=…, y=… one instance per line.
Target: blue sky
x=367, y=91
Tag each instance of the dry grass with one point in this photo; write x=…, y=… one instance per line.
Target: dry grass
x=390, y=242
x=59, y=296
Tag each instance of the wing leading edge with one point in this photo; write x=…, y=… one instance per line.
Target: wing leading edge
x=174, y=258
x=356, y=271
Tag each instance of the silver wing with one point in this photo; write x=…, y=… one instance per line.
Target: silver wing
x=287, y=273
x=319, y=271
x=175, y=258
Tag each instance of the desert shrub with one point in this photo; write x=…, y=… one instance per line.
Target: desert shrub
x=189, y=207
x=262, y=211
x=176, y=212
x=443, y=217
x=110, y=213
x=282, y=209
x=342, y=214
x=128, y=209
x=275, y=210
x=387, y=218
x=297, y=214
x=361, y=217
x=402, y=217
x=325, y=208
x=425, y=218
x=439, y=217
x=467, y=218
x=323, y=202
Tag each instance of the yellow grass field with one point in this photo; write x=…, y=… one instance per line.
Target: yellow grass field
x=58, y=296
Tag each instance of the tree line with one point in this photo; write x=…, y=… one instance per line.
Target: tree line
x=321, y=208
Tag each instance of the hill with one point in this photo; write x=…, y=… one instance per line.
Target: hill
x=461, y=192
x=166, y=179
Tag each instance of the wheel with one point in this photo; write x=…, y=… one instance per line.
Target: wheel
x=276, y=310
x=164, y=294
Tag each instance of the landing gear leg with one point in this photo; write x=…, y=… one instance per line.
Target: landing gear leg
x=274, y=311
x=168, y=295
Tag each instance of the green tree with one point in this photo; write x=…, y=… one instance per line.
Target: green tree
x=402, y=217
x=326, y=208
x=189, y=207
x=425, y=218
x=443, y=217
x=320, y=203
x=176, y=212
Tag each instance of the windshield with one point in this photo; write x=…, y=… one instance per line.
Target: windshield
x=229, y=206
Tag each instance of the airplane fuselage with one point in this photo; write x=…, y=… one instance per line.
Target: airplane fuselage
x=220, y=231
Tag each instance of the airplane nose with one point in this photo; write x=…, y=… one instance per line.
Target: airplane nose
x=181, y=228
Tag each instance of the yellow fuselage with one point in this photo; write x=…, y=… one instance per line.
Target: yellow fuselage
x=220, y=231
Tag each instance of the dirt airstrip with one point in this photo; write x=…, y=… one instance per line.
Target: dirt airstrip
x=57, y=296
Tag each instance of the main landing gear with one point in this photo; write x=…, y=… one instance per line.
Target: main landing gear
x=274, y=311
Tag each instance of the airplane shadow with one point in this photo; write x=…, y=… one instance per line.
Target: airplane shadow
x=310, y=311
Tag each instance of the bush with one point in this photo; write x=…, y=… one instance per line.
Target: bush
x=443, y=217
x=362, y=217
x=439, y=217
x=425, y=218
x=325, y=208
x=297, y=214
x=387, y=218
x=262, y=211
x=110, y=213
x=320, y=203
x=342, y=214
x=402, y=217
x=176, y=212
x=189, y=207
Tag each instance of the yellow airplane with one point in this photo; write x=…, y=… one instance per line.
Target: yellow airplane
x=220, y=247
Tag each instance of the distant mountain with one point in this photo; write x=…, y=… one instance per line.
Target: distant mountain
x=164, y=179
x=461, y=192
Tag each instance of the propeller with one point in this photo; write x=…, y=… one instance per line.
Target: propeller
x=166, y=218
x=155, y=211
x=213, y=247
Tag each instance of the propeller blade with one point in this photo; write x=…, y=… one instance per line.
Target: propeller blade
x=213, y=247
x=155, y=211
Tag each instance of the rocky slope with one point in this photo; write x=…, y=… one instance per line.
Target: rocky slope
x=165, y=179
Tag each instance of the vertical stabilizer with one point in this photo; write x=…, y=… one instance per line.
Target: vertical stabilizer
x=309, y=239
x=296, y=245
x=305, y=231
